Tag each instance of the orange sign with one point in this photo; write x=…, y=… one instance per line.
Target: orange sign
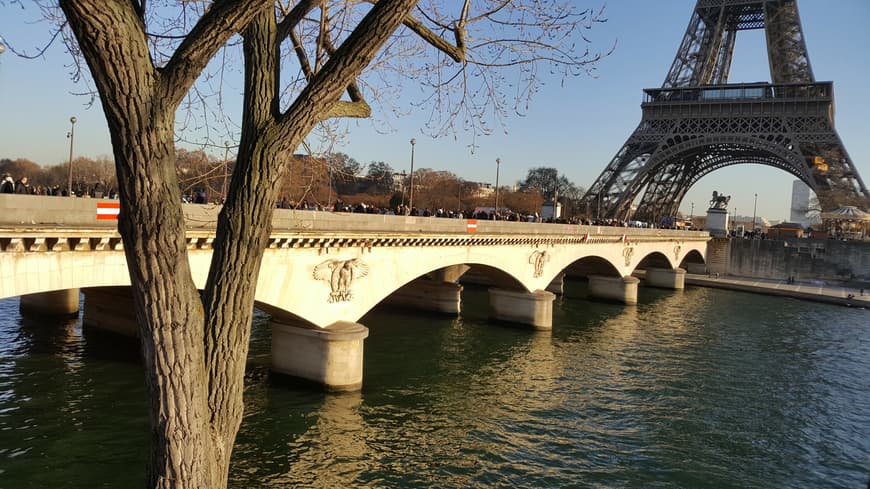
x=471, y=225
x=108, y=210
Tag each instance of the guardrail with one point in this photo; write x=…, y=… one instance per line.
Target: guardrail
x=753, y=92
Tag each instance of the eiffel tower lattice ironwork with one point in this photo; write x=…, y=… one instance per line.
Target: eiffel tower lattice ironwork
x=698, y=123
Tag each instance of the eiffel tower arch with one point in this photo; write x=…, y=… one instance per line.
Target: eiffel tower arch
x=697, y=122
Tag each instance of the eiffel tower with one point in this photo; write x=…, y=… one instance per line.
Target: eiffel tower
x=698, y=122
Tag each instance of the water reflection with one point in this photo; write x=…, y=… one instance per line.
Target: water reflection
x=702, y=389
x=60, y=409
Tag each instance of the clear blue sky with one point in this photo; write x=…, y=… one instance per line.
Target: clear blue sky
x=576, y=127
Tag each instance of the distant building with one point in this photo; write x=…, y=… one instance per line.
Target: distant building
x=549, y=210
x=786, y=230
x=801, y=210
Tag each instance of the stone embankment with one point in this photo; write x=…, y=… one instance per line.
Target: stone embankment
x=813, y=291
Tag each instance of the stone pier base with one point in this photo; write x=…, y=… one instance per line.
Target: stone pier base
x=428, y=295
x=531, y=308
x=666, y=278
x=54, y=303
x=331, y=356
x=620, y=289
x=110, y=309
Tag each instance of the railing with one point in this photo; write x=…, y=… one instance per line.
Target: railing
x=741, y=92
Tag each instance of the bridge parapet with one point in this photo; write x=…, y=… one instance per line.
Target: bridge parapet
x=34, y=224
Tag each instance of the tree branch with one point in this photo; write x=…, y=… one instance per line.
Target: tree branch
x=355, y=53
x=357, y=107
x=457, y=53
x=220, y=22
x=299, y=11
x=261, y=71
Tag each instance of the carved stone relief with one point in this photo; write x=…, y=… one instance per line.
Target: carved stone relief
x=340, y=275
x=539, y=259
x=627, y=252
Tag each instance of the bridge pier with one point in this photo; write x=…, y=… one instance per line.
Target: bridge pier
x=531, y=308
x=428, y=295
x=331, y=356
x=54, y=303
x=620, y=289
x=666, y=278
x=557, y=286
x=449, y=274
x=110, y=309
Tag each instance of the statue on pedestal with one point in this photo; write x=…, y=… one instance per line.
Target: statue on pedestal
x=719, y=201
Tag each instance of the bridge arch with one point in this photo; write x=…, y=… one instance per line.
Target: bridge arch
x=655, y=259
x=685, y=159
x=591, y=265
x=693, y=257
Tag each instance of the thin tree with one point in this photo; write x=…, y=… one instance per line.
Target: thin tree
x=144, y=64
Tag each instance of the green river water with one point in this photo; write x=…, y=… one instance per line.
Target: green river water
x=699, y=388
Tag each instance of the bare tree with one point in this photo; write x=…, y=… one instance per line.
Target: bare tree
x=144, y=59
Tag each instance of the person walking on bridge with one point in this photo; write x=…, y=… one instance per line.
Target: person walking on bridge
x=7, y=186
x=21, y=186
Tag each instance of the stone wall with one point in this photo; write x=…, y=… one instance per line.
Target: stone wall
x=803, y=259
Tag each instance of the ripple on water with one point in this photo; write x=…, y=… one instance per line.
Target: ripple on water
x=701, y=389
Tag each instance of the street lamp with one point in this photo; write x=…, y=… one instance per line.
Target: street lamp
x=226, y=163
x=404, y=180
x=754, y=207
x=598, y=208
x=329, y=190
x=411, y=194
x=497, y=165
x=72, y=137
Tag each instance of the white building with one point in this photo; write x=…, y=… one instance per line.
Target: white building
x=801, y=211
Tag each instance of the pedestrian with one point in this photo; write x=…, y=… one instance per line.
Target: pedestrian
x=7, y=186
x=21, y=186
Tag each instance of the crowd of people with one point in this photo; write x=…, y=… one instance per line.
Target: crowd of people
x=503, y=215
x=8, y=185
x=22, y=186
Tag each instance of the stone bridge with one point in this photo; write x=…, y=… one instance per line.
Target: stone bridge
x=323, y=271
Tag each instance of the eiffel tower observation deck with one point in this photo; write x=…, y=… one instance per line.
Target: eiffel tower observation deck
x=698, y=122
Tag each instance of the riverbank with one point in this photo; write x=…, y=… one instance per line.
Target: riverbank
x=819, y=292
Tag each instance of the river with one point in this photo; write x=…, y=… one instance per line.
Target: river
x=699, y=388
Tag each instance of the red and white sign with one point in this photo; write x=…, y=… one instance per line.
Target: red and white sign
x=108, y=210
x=471, y=226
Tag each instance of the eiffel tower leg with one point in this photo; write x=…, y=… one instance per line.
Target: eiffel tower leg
x=604, y=198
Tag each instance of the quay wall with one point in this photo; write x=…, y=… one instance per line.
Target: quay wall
x=803, y=259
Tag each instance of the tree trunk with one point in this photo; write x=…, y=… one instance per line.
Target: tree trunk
x=195, y=349
x=139, y=103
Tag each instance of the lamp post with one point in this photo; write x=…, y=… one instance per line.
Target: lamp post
x=411, y=192
x=226, y=164
x=459, y=196
x=72, y=137
x=692, y=213
x=404, y=180
x=329, y=189
x=754, y=208
x=497, y=166
x=598, y=208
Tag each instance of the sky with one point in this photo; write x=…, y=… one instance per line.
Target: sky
x=576, y=126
